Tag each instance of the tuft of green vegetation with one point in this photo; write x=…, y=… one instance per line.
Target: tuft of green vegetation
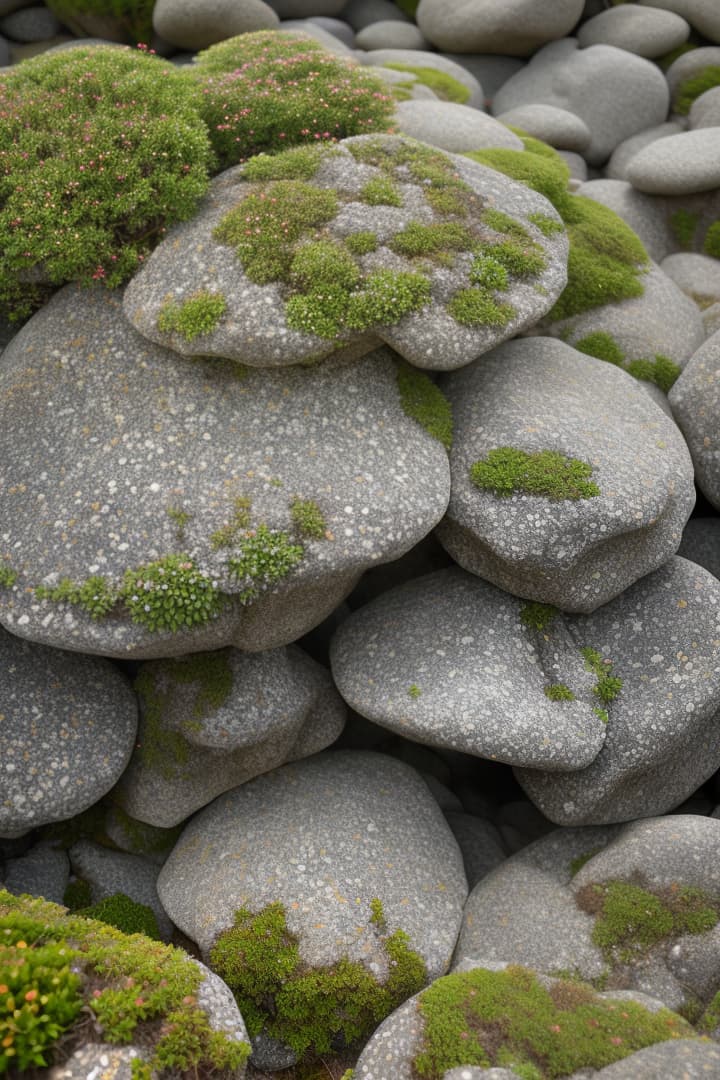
x=324, y=264
x=131, y=20
x=608, y=686
x=662, y=370
x=412, y=161
x=124, y=914
x=425, y=403
x=78, y=894
x=385, y=297
x=181, y=518
x=170, y=594
x=417, y=239
x=630, y=920
x=309, y=1008
x=547, y=174
x=695, y=85
x=509, y=1019
x=414, y=691
x=711, y=243
x=381, y=191
x=229, y=534
x=559, y=692
x=101, y=149
x=445, y=86
x=602, y=714
x=503, y=223
x=58, y=968
x=546, y=473
x=579, y=861
x=271, y=90
x=683, y=224
x=265, y=558
x=299, y=163
x=8, y=576
x=538, y=616
x=362, y=243
x=523, y=260
x=488, y=273
x=308, y=518
x=94, y=596
x=198, y=314
x=478, y=307
x=548, y=226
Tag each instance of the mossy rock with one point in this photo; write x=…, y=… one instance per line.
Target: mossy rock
x=59, y=967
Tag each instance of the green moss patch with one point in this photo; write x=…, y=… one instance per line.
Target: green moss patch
x=695, y=85
x=381, y=191
x=538, y=616
x=124, y=914
x=608, y=686
x=300, y=163
x=417, y=239
x=548, y=226
x=559, y=692
x=684, y=224
x=445, y=86
x=308, y=518
x=58, y=969
x=362, y=243
x=229, y=534
x=264, y=558
x=711, y=243
x=509, y=1019
x=489, y=273
x=661, y=370
x=198, y=314
x=478, y=307
x=507, y=470
x=308, y=1008
x=630, y=920
x=425, y=403
x=548, y=175
x=8, y=576
x=170, y=594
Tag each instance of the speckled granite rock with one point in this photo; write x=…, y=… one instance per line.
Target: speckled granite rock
x=214, y=720
x=663, y=732
x=277, y=324
x=139, y=456
x=558, y=127
x=512, y=29
x=648, y=33
x=109, y=872
x=435, y=61
x=42, y=871
x=539, y=394
x=274, y=840
x=701, y=543
x=678, y=164
x=195, y=26
x=479, y=842
x=695, y=401
x=452, y=127
x=69, y=726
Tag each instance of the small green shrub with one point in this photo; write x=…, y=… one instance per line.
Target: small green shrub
x=546, y=473
x=170, y=594
x=559, y=692
x=229, y=534
x=271, y=90
x=198, y=314
x=695, y=85
x=417, y=239
x=538, y=616
x=361, y=243
x=381, y=191
x=94, y=596
x=608, y=686
x=101, y=149
x=124, y=914
x=509, y=1019
x=385, y=297
x=447, y=87
x=523, y=260
x=425, y=403
x=478, y=307
x=265, y=558
x=307, y=1008
x=308, y=518
x=8, y=576
x=414, y=691
x=298, y=163
x=488, y=273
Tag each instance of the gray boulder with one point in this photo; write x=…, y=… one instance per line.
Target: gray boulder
x=456, y=128
x=695, y=401
x=514, y=28
x=648, y=32
x=197, y=26
x=681, y=164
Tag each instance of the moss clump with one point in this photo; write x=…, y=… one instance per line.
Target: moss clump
x=181, y=518
x=547, y=473
x=488, y=273
x=602, y=714
x=308, y=518
x=229, y=534
x=77, y=895
x=101, y=149
x=548, y=226
x=538, y=616
x=683, y=224
x=8, y=576
x=412, y=161
x=170, y=594
x=271, y=90
x=300, y=163
x=124, y=914
x=308, y=1008
x=445, y=86
x=417, y=239
x=523, y=260
x=385, y=297
x=509, y=1019
x=630, y=920
x=362, y=243
x=414, y=691
x=425, y=403
x=381, y=191
x=661, y=370
x=548, y=175
x=503, y=223
x=94, y=596
x=478, y=307
x=711, y=243
x=135, y=989
x=265, y=558
x=608, y=686
x=695, y=85
x=579, y=861
x=559, y=692
x=131, y=20
x=198, y=314
x=324, y=264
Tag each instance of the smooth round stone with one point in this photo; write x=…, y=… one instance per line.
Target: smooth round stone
x=701, y=543
x=622, y=155
x=697, y=275
x=279, y=706
x=456, y=128
x=109, y=872
x=577, y=166
x=306, y=9
x=538, y=394
x=678, y=164
x=480, y=844
x=436, y=61
x=491, y=71
x=156, y=461
x=688, y=1058
x=705, y=110
x=645, y=31
x=695, y=401
x=663, y=732
x=30, y=24
x=305, y=28
x=319, y=837
x=477, y=685
x=390, y=34
x=43, y=871
x=689, y=64
x=69, y=725
x=337, y=27
x=703, y=15
x=558, y=127
x=409, y=83
x=635, y=95
x=511, y=28
x=196, y=26
x=362, y=13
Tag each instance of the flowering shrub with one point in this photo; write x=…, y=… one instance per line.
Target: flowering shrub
x=270, y=90
x=100, y=150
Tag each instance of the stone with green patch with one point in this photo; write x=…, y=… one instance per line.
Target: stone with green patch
x=548, y=474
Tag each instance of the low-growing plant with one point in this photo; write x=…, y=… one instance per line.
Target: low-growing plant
x=425, y=403
x=196, y=315
x=124, y=914
x=101, y=149
x=546, y=473
x=308, y=518
x=264, y=558
x=170, y=594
